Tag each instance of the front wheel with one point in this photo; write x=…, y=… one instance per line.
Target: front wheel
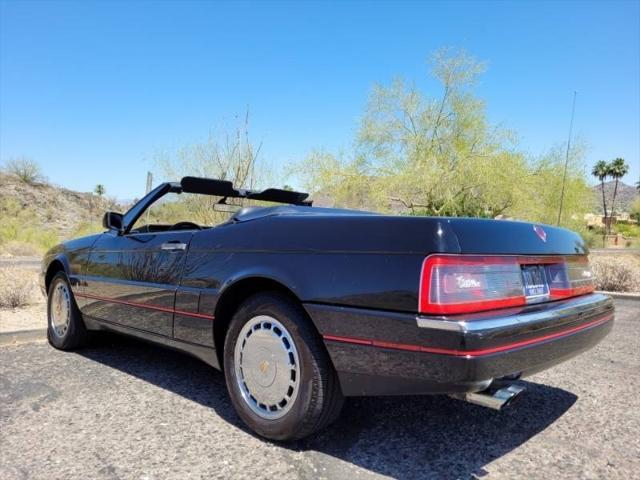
x=65, y=328
x=278, y=373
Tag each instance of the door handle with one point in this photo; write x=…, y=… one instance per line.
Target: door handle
x=174, y=245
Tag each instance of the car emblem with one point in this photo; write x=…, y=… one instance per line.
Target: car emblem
x=540, y=232
x=264, y=365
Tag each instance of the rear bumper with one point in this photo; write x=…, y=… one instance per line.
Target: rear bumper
x=383, y=353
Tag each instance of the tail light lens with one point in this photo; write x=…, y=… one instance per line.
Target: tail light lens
x=573, y=277
x=452, y=284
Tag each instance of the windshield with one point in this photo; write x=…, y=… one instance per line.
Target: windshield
x=189, y=211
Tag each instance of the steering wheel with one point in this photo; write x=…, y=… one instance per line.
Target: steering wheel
x=185, y=226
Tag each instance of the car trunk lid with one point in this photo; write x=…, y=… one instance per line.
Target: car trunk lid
x=504, y=237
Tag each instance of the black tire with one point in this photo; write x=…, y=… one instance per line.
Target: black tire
x=75, y=335
x=319, y=398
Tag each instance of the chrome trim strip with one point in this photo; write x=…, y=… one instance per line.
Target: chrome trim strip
x=540, y=312
x=436, y=324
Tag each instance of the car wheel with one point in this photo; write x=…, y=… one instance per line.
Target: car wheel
x=65, y=328
x=278, y=372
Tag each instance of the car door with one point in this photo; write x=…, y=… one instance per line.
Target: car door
x=132, y=274
x=132, y=279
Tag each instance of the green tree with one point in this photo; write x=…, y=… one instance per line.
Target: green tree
x=228, y=155
x=99, y=190
x=440, y=155
x=425, y=155
x=601, y=172
x=538, y=189
x=340, y=182
x=618, y=168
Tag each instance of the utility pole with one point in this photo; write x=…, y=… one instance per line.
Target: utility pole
x=566, y=160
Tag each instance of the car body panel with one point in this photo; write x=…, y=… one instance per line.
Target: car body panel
x=127, y=275
x=73, y=255
x=197, y=326
x=370, y=347
x=488, y=237
x=365, y=370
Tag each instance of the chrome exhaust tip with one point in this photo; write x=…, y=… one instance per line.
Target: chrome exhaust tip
x=496, y=400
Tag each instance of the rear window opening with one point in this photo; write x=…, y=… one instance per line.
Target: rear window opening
x=453, y=284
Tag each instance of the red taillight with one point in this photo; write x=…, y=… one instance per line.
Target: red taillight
x=452, y=284
x=575, y=278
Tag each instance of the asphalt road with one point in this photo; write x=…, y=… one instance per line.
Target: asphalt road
x=124, y=409
x=24, y=262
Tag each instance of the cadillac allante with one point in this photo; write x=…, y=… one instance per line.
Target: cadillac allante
x=301, y=306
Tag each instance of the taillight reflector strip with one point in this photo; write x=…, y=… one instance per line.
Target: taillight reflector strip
x=455, y=284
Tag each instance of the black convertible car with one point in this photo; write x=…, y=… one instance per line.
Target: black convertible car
x=302, y=306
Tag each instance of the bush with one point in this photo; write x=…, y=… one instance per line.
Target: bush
x=635, y=209
x=17, y=287
x=592, y=237
x=19, y=226
x=87, y=228
x=14, y=248
x=25, y=169
x=616, y=273
x=628, y=230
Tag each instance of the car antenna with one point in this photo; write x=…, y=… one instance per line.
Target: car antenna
x=566, y=160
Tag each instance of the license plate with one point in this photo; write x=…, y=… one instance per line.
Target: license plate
x=535, y=282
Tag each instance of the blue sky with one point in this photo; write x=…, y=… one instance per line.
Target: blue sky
x=93, y=90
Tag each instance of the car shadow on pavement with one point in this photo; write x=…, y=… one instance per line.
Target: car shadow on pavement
x=401, y=437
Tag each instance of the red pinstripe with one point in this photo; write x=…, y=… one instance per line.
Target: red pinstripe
x=466, y=353
x=147, y=306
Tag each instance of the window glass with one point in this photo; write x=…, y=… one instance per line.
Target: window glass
x=173, y=208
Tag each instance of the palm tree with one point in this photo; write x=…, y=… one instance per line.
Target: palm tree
x=601, y=170
x=100, y=191
x=617, y=169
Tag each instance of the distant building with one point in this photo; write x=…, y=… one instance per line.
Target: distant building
x=596, y=220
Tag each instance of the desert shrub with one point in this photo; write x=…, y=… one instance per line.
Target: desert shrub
x=635, y=209
x=633, y=243
x=20, y=226
x=628, y=230
x=35, y=239
x=17, y=287
x=592, y=238
x=25, y=170
x=616, y=273
x=19, y=249
x=87, y=228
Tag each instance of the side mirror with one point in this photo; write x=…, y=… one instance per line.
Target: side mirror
x=112, y=221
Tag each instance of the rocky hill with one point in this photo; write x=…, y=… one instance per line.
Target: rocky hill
x=624, y=199
x=53, y=207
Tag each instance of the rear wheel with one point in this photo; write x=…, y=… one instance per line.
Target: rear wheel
x=278, y=373
x=65, y=328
